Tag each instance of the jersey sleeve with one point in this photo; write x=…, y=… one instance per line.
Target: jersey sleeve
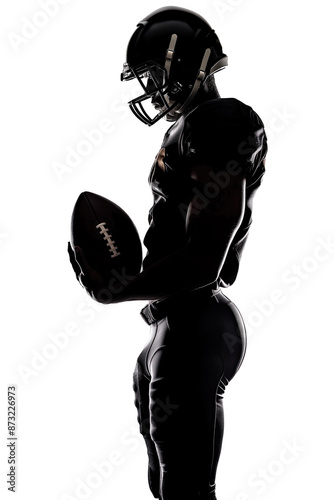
x=226, y=134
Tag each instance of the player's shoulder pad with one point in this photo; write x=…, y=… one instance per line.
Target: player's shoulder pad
x=222, y=128
x=222, y=112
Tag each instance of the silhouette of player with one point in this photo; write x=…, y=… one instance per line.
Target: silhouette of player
x=203, y=179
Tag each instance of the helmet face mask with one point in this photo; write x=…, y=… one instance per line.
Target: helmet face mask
x=159, y=94
x=171, y=53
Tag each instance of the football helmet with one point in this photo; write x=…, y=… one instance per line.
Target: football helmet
x=171, y=53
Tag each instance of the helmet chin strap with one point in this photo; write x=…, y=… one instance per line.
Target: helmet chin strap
x=170, y=54
x=168, y=63
x=180, y=108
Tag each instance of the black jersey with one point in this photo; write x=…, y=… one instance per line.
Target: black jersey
x=228, y=136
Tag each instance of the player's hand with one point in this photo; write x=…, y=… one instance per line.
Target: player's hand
x=88, y=277
x=74, y=263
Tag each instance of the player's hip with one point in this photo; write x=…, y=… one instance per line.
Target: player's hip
x=200, y=324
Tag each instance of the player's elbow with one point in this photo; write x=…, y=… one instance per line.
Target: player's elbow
x=200, y=269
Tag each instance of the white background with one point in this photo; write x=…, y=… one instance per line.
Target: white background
x=76, y=411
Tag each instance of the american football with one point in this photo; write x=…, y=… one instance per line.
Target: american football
x=106, y=234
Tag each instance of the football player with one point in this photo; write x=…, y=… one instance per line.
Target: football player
x=204, y=177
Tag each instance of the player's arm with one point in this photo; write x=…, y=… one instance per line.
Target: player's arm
x=210, y=231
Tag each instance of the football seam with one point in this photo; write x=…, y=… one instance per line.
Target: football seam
x=113, y=249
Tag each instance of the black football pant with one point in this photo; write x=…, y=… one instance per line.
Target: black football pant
x=196, y=347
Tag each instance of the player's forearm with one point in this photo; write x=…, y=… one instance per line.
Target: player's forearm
x=179, y=271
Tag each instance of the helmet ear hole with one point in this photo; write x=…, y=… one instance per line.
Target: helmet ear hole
x=175, y=89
